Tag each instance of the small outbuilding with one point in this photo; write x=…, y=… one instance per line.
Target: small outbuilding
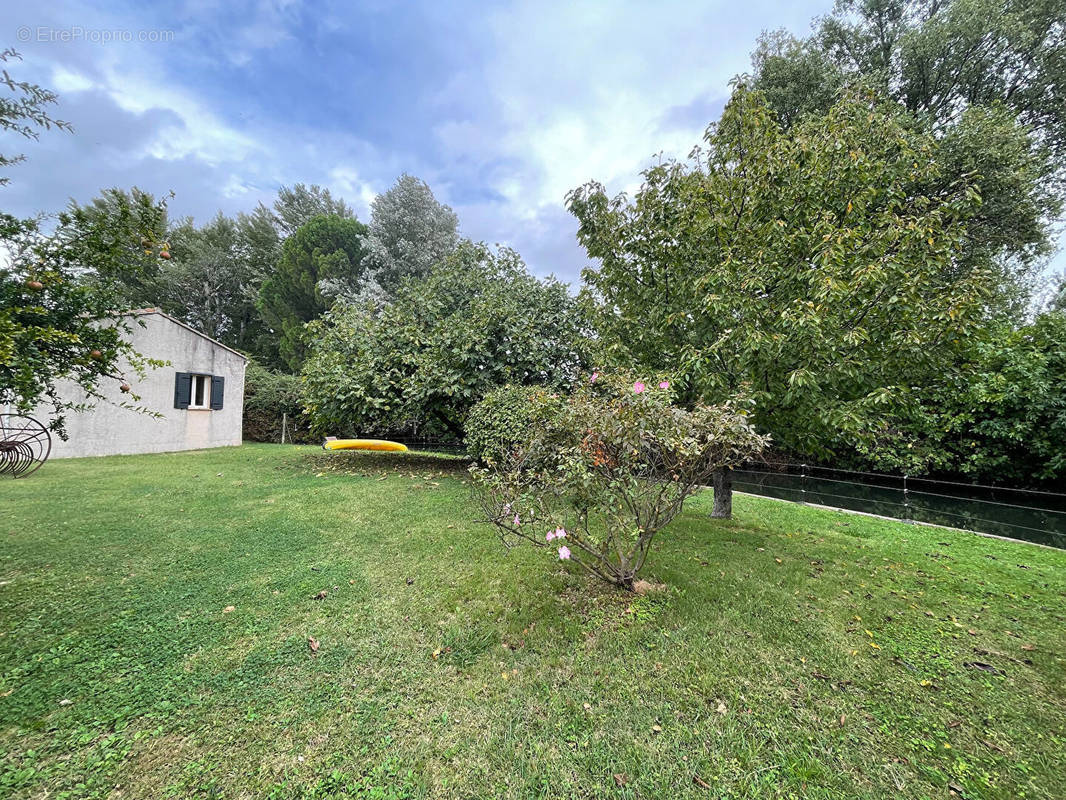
x=197, y=399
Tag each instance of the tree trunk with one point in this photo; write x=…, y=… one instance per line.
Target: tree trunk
x=451, y=426
x=723, y=494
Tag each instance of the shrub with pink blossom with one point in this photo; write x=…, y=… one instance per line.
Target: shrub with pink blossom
x=606, y=468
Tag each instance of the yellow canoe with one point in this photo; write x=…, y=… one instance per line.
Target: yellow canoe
x=381, y=445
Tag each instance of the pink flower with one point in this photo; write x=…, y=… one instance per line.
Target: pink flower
x=517, y=521
x=564, y=553
x=549, y=536
x=560, y=533
x=664, y=385
x=639, y=387
x=595, y=375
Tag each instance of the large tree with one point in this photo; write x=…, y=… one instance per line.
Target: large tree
x=297, y=205
x=210, y=284
x=806, y=270
x=320, y=253
x=985, y=76
x=141, y=275
x=410, y=232
x=478, y=321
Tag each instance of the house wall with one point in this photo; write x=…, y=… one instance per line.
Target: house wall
x=108, y=429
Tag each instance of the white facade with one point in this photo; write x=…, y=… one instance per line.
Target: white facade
x=212, y=419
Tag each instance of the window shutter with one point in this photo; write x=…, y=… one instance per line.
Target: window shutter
x=182, y=390
x=217, y=385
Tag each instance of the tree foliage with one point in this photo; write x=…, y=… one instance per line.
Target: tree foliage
x=1001, y=417
x=24, y=110
x=807, y=271
x=985, y=75
x=271, y=400
x=605, y=468
x=325, y=249
x=478, y=321
x=55, y=325
x=297, y=205
x=410, y=232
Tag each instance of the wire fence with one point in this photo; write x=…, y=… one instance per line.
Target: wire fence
x=1028, y=514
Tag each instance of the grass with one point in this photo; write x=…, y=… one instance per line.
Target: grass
x=795, y=653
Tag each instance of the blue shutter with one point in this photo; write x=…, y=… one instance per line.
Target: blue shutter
x=217, y=386
x=182, y=390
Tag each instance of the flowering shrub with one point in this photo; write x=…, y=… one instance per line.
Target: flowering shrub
x=605, y=468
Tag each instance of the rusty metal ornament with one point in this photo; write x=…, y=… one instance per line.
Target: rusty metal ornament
x=24, y=445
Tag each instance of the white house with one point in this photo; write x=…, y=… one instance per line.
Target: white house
x=199, y=396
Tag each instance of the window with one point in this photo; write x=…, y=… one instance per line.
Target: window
x=201, y=391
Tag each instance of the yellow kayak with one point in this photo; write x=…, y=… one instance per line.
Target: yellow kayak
x=380, y=445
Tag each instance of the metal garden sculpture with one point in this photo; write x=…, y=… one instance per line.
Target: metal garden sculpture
x=24, y=445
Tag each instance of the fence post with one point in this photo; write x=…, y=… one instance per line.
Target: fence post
x=906, y=501
x=284, y=425
x=803, y=484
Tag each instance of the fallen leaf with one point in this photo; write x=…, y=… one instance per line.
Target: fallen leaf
x=656, y=728
x=972, y=632
x=778, y=560
x=587, y=707
x=621, y=778
x=321, y=595
x=696, y=779
x=436, y=653
x=982, y=666
x=842, y=718
x=1029, y=647
x=410, y=581
x=228, y=609
x=65, y=702
x=721, y=707
x=312, y=642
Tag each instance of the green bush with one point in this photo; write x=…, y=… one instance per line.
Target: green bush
x=268, y=396
x=503, y=419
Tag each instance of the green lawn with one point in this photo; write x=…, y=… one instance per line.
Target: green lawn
x=796, y=652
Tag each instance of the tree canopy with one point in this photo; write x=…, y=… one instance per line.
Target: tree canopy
x=808, y=271
x=410, y=232
x=986, y=77
x=477, y=321
x=325, y=248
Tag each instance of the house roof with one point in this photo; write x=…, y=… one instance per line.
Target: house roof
x=141, y=312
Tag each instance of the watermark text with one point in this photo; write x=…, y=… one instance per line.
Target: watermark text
x=76, y=33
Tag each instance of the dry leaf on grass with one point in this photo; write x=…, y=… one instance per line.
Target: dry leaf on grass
x=621, y=778
x=312, y=642
x=228, y=609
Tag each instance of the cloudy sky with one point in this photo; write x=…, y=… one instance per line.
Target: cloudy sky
x=500, y=107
